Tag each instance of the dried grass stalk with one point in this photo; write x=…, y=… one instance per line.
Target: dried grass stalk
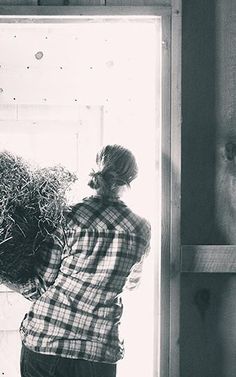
x=32, y=205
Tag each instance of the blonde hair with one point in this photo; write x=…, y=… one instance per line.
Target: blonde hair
x=117, y=167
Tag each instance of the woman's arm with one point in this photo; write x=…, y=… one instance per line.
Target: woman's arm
x=48, y=265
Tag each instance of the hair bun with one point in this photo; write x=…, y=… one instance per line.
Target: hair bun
x=96, y=181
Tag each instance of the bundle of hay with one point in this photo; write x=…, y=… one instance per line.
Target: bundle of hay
x=32, y=205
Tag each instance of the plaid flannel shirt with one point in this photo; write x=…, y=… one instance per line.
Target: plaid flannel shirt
x=77, y=306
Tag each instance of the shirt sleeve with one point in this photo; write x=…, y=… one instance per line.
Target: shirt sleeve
x=147, y=237
x=48, y=265
x=134, y=278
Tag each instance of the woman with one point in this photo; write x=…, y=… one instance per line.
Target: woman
x=72, y=328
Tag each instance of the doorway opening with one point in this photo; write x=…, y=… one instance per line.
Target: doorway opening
x=69, y=87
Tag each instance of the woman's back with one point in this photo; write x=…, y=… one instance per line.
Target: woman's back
x=104, y=240
x=84, y=269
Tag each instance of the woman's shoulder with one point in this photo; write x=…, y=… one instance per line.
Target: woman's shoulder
x=139, y=223
x=90, y=200
x=83, y=212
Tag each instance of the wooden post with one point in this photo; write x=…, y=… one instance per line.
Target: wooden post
x=175, y=242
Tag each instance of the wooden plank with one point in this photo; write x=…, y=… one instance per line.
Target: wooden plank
x=175, y=241
x=8, y=112
x=86, y=2
x=166, y=199
x=199, y=85
x=52, y=2
x=139, y=2
x=57, y=3
x=208, y=325
x=75, y=11
x=32, y=127
x=71, y=2
x=225, y=105
x=46, y=112
x=19, y=2
x=208, y=258
x=42, y=113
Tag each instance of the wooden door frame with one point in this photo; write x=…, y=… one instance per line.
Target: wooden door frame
x=168, y=313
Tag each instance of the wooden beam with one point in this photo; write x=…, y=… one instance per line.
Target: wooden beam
x=175, y=242
x=138, y=2
x=208, y=258
x=19, y=2
x=166, y=200
x=17, y=13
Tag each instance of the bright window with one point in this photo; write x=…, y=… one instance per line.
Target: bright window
x=69, y=88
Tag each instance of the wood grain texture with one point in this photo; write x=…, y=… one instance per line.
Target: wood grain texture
x=138, y=2
x=226, y=119
x=77, y=10
x=208, y=190
x=176, y=119
x=209, y=258
x=19, y=2
x=171, y=173
x=86, y=2
x=56, y=3
x=209, y=116
x=199, y=126
x=166, y=199
x=208, y=336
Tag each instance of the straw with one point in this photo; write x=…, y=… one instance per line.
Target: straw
x=32, y=205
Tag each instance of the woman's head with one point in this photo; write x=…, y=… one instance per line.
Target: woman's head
x=117, y=167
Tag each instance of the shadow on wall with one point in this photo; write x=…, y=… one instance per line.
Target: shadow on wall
x=199, y=124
